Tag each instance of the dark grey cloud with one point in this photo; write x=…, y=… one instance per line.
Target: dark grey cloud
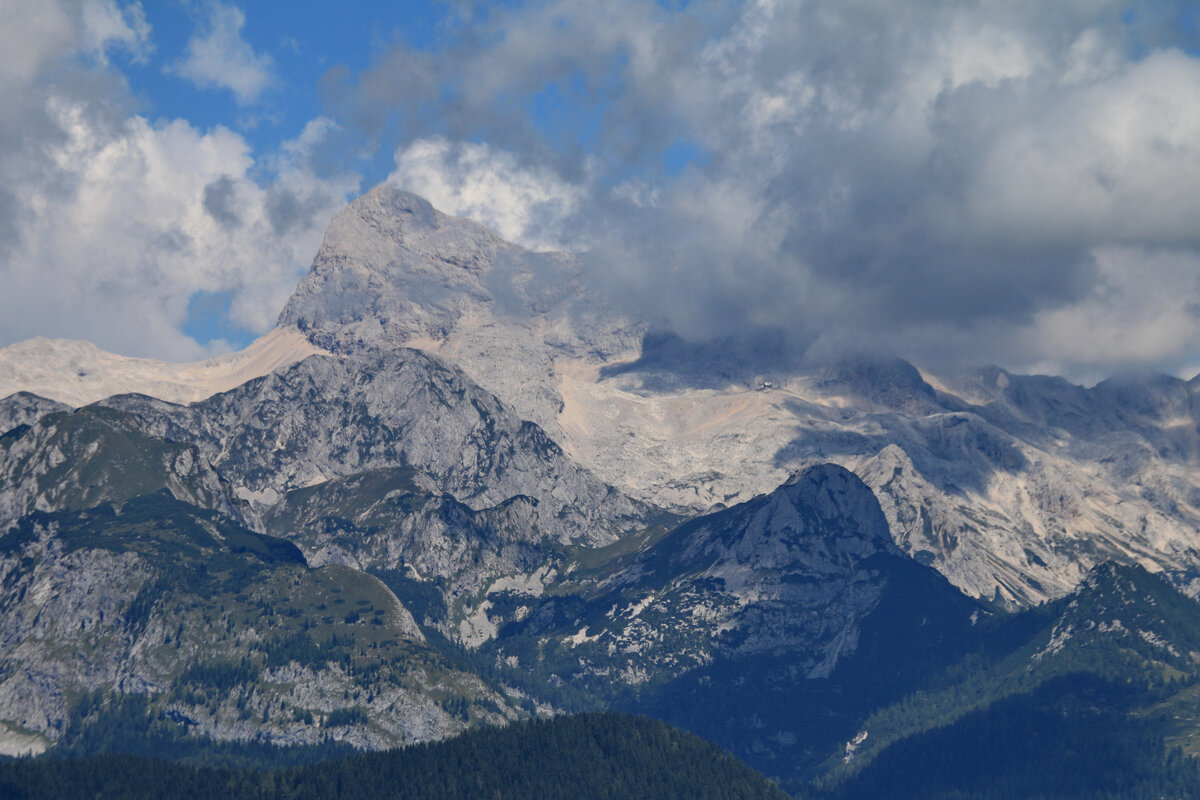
x=220, y=201
x=287, y=210
x=968, y=182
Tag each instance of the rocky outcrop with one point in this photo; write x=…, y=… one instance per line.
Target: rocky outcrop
x=1012, y=486
x=793, y=571
x=80, y=459
x=395, y=521
x=394, y=271
x=24, y=408
x=329, y=417
x=745, y=625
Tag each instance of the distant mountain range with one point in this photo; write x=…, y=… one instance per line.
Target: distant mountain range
x=450, y=491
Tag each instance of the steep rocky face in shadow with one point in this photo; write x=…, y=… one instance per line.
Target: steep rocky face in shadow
x=795, y=570
x=745, y=624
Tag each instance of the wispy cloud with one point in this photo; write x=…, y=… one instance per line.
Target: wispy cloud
x=218, y=57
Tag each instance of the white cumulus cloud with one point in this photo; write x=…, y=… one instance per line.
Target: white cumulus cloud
x=34, y=33
x=488, y=185
x=110, y=223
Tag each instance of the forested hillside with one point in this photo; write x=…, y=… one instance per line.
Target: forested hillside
x=600, y=756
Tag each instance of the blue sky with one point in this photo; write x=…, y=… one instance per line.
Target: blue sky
x=297, y=43
x=967, y=182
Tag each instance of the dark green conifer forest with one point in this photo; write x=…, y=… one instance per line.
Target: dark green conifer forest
x=602, y=756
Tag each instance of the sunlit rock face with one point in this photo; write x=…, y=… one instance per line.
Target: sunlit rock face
x=1012, y=486
x=329, y=416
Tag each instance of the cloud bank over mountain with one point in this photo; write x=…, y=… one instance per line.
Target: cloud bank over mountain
x=967, y=182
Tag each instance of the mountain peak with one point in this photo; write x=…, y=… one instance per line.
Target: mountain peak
x=393, y=209
x=886, y=380
x=823, y=518
x=1110, y=577
x=843, y=504
x=392, y=268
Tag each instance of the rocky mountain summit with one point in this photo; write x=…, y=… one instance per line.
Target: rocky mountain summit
x=792, y=570
x=791, y=592
x=127, y=542
x=394, y=271
x=1013, y=486
x=141, y=522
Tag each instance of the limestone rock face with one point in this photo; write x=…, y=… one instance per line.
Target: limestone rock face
x=449, y=446
x=395, y=521
x=74, y=610
x=76, y=373
x=1012, y=486
x=395, y=271
x=393, y=268
x=24, y=408
x=80, y=459
x=794, y=571
x=1015, y=486
x=329, y=417
x=742, y=624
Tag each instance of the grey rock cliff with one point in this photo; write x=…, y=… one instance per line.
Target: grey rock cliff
x=1012, y=486
x=223, y=630
x=80, y=459
x=746, y=624
x=395, y=521
x=23, y=408
x=793, y=571
x=329, y=417
x=394, y=271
